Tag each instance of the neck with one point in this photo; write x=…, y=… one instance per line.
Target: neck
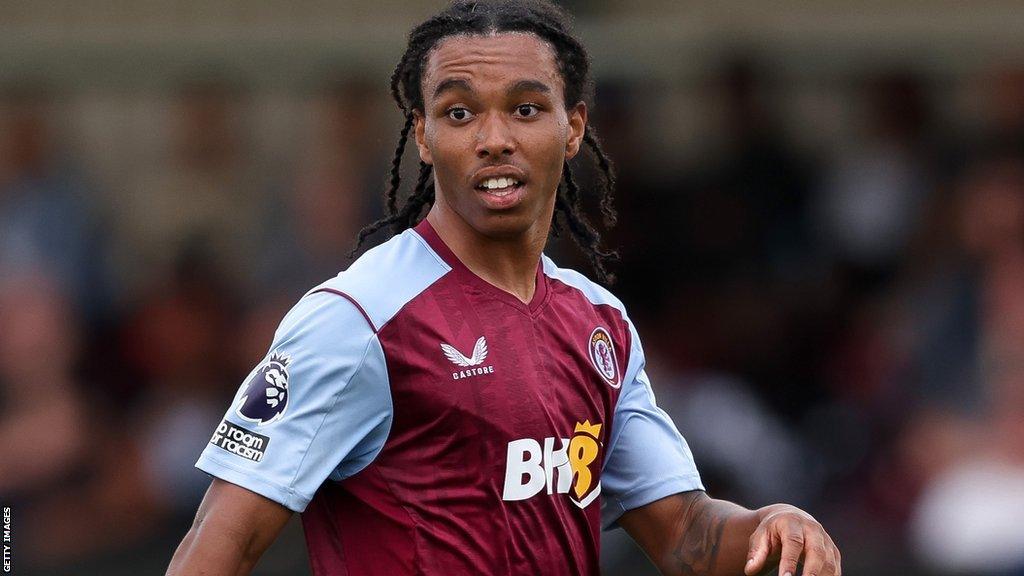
x=509, y=263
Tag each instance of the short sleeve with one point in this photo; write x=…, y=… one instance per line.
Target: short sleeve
x=317, y=407
x=648, y=458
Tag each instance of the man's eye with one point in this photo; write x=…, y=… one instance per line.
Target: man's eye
x=527, y=110
x=458, y=114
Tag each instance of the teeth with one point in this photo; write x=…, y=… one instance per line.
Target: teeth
x=498, y=183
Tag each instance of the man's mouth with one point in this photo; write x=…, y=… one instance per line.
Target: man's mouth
x=500, y=186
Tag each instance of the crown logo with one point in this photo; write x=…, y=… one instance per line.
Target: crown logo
x=592, y=430
x=280, y=358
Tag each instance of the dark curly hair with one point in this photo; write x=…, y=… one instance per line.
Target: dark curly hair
x=481, y=17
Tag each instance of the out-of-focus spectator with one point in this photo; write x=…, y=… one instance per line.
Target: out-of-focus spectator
x=873, y=194
x=181, y=341
x=139, y=476
x=43, y=417
x=973, y=368
x=316, y=221
x=742, y=223
x=209, y=192
x=966, y=312
x=47, y=224
x=732, y=432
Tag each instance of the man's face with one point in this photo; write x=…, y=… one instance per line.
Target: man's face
x=496, y=129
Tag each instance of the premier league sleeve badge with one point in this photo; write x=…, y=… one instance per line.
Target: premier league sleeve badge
x=265, y=396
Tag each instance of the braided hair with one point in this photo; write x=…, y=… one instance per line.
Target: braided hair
x=480, y=17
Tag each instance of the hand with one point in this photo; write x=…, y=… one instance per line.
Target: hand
x=788, y=535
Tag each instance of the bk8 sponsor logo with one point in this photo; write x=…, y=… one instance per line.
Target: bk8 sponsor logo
x=533, y=466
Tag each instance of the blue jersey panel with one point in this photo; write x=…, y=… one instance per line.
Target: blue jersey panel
x=648, y=459
x=318, y=407
x=389, y=275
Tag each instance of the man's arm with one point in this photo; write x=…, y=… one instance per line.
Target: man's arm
x=690, y=534
x=231, y=531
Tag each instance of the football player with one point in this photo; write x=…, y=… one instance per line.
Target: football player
x=454, y=402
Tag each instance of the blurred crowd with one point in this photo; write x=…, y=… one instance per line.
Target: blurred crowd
x=840, y=327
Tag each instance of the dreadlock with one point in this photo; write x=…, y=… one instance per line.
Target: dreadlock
x=481, y=17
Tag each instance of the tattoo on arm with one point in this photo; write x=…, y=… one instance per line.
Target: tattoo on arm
x=699, y=537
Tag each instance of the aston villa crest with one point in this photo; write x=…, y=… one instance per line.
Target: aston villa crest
x=602, y=355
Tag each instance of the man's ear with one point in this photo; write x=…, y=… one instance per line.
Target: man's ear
x=419, y=127
x=576, y=128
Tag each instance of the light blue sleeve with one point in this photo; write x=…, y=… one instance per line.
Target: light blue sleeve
x=648, y=459
x=317, y=407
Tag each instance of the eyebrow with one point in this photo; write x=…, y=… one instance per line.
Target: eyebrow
x=518, y=86
x=451, y=84
x=529, y=86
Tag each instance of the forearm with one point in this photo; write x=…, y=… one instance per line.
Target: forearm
x=232, y=529
x=711, y=539
x=206, y=552
x=704, y=537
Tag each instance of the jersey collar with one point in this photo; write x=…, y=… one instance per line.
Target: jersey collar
x=540, y=294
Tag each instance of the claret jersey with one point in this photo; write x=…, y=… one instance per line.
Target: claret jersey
x=426, y=422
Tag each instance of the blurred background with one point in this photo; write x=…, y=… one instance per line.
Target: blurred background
x=822, y=242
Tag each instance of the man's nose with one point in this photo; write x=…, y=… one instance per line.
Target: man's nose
x=494, y=137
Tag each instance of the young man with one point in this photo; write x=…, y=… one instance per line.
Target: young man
x=455, y=403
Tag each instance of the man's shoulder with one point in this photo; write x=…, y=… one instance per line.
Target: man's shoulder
x=386, y=277
x=592, y=291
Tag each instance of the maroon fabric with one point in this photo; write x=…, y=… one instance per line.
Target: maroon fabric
x=432, y=501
